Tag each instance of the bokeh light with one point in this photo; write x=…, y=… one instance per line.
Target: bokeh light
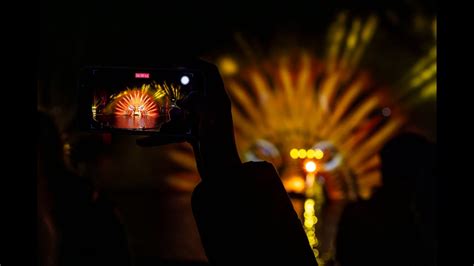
x=310, y=166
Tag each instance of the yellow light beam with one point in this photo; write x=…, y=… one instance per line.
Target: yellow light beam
x=336, y=35
x=302, y=84
x=369, y=165
x=420, y=66
x=244, y=125
x=354, y=119
x=429, y=90
x=424, y=76
x=348, y=97
x=365, y=36
x=360, y=134
x=260, y=86
x=328, y=90
x=375, y=142
x=240, y=95
x=351, y=44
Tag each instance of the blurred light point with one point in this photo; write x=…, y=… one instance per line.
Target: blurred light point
x=310, y=167
x=386, y=111
x=302, y=153
x=295, y=184
x=318, y=154
x=310, y=153
x=310, y=203
x=294, y=153
x=185, y=80
x=228, y=66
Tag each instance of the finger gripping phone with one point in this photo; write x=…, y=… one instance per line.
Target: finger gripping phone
x=137, y=100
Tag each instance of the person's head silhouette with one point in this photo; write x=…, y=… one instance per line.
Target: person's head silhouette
x=406, y=159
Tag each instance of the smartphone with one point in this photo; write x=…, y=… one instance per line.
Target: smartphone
x=136, y=100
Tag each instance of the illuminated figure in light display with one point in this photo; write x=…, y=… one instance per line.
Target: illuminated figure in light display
x=135, y=108
x=136, y=103
x=143, y=107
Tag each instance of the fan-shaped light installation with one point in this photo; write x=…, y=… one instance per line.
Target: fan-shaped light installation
x=296, y=105
x=136, y=103
x=297, y=100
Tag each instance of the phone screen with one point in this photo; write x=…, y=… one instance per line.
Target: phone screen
x=137, y=100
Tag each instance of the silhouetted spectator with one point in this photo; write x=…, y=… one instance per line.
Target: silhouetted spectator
x=77, y=226
x=396, y=226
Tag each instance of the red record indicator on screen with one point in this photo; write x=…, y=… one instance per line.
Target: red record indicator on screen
x=142, y=75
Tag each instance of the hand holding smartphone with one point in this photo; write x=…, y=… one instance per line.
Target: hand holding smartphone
x=168, y=104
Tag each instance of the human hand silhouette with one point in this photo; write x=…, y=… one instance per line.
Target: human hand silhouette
x=210, y=119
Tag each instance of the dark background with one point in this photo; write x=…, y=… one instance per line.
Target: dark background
x=76, y=33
